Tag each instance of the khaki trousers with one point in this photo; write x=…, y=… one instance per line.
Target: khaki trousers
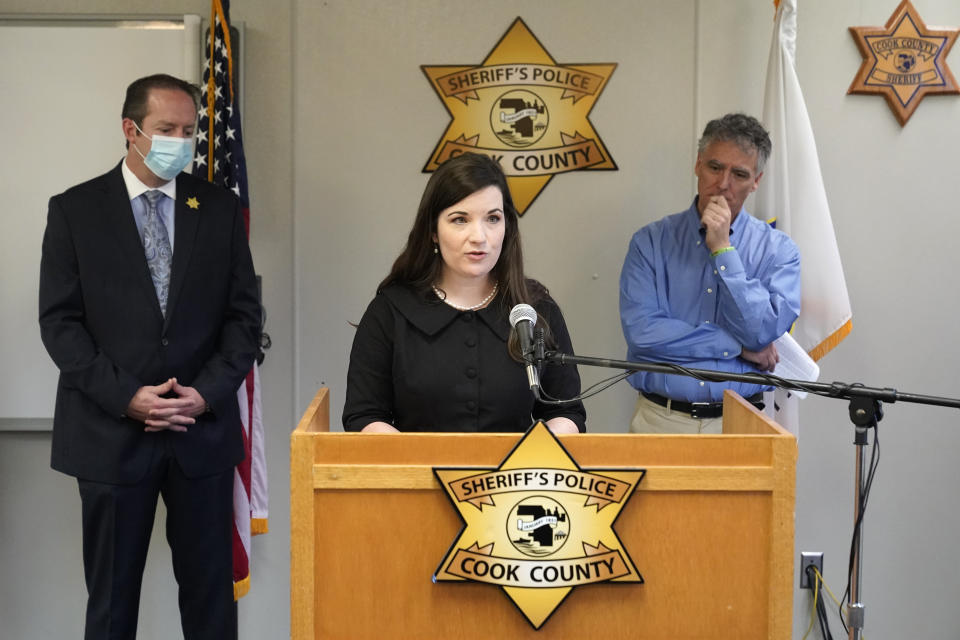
x=649, y=417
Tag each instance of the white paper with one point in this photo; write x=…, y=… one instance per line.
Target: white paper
x=794, y=363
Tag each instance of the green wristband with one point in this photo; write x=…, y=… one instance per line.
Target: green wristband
x=719, y=251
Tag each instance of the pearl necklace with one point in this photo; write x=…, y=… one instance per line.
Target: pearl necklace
x=479, y=305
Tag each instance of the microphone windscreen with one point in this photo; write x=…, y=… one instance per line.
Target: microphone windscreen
x=522, y=312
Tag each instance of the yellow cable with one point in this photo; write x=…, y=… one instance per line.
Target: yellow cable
x=820, y=578
x=832, y=597
x=813, y=608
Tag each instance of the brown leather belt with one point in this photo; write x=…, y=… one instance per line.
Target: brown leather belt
x=698, y=410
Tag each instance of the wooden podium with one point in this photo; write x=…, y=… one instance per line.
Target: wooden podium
x=710, y=529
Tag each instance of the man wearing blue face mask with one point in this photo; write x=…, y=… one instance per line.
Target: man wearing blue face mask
x=148, y=306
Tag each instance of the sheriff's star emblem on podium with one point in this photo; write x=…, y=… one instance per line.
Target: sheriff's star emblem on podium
x=525, y=110
x=538, y=525
x=904, y=61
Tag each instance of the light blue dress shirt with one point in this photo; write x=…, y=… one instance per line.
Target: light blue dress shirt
x=680, y=305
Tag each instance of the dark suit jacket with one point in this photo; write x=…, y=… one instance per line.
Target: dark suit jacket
x=101, y=323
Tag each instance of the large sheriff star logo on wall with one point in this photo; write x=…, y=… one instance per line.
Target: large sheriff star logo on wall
x=538, y=525
x=523, y=109
x=904, y=61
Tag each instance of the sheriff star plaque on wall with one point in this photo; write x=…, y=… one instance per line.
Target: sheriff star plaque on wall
x=904, y=61
x=525, y=110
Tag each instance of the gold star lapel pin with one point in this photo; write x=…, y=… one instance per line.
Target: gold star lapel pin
x=904, y=61
x=193, y=203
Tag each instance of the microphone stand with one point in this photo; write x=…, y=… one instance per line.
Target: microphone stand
x=865, y=410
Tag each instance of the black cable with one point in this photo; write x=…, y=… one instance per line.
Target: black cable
x=545, y=398
x=589, y=392
x=535, y=356
x=824, y=622
x=595, y=388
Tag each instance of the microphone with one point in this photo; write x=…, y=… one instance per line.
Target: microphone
x=522, y=319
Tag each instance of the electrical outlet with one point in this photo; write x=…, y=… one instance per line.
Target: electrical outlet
x=809, y=559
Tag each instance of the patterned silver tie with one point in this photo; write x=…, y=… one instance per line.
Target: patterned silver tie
x=156, y=247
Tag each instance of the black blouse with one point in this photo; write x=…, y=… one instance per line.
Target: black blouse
x=421, y=365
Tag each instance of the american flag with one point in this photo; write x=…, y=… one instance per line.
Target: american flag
x=220, y=159
x=219, y=156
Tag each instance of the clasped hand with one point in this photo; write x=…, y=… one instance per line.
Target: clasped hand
x=158, y=413
x=766, y=359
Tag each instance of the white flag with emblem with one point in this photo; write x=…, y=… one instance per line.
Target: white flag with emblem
x=792, y=192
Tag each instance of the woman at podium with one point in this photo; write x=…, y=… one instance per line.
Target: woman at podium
x=434, y=350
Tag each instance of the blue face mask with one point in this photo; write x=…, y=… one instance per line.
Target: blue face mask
x=168, y=155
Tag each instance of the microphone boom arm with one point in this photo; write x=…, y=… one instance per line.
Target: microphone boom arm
x=831, y=390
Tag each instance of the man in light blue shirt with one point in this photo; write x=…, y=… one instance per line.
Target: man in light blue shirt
x=711, y=287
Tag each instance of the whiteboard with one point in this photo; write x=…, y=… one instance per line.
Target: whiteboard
x=62, y=82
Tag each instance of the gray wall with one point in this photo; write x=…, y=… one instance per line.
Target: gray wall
x=338, y=121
